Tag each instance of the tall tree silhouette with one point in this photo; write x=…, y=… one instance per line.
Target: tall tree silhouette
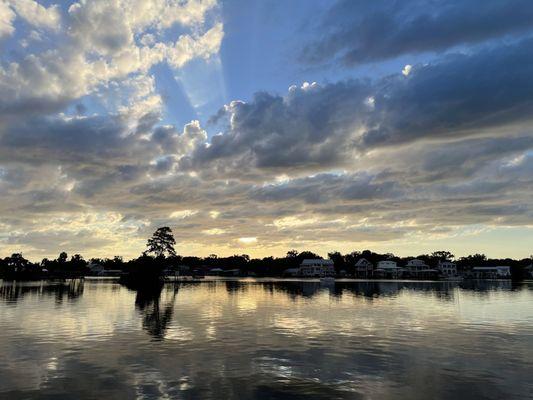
x=162, y=242
x=62, y=257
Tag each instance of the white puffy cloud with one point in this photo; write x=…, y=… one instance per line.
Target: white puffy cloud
x=99, y=44
x=182, y=214
x=188, y=47
x=36, y=14
x=388, y=160
x=7, y=16
x=247, y=240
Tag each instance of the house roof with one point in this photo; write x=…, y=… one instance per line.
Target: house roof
x=312, y=261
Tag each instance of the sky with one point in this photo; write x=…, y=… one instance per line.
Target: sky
x=258, y=127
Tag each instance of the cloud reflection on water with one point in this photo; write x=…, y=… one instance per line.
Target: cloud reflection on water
x=266, y=339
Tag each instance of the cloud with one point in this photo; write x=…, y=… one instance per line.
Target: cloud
x=309, y=128
x=213, y=231
x=247, y=240
x=7, y=16
x=460, y=95
x=438, y=149
x=362, y=32
x=316, y=127
x=37, y=15
x=98, y=47
x=189, y=47
x=182, y=214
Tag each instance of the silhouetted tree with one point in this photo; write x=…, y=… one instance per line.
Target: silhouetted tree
x=307, y=254
x=162, y=242
x=77, y=262
x=62, y=257
x=292, y=254
x=17, y=262
x=338, y=260
x=442, y=255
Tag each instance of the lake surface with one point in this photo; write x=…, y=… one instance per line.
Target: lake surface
x=266, y=339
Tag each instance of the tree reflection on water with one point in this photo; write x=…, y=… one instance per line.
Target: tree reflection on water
x=14, y=291
x=156, y=316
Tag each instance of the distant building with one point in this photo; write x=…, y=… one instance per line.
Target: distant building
x=419, y=269
x=529, y=271
x=316, y=267
x=224, y=272
x=363, y=268
x=291, y=272
x=215, y=271
x=491, y=272
x=99, y=270
x=416, y=265
x=96, y=269
x=184, y=269
x=231, y=272
x=388, y=269
x=447, y=268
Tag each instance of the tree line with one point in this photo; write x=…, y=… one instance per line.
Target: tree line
x=160, y=254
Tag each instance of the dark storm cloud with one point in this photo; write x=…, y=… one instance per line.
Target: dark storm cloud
x=461, y=95
x=357, y=32
x=96, y=151
x=320, y=127
x=308, y=127
x=93, y=138
x=11, y=109
x=324, y=188
x=463, y=159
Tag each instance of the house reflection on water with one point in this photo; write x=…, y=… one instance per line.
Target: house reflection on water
x=261, y=338
x=148, y=298
x=368, y=289
x=156, y=305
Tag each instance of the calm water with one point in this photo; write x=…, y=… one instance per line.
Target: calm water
x=266, y=340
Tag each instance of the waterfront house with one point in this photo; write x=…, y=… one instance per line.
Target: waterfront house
x=96, y=269
x=215, y=271
x=388, y=269
x=316, y=267
x=99, y=270
x=447, y=269
x=499, y=272
x=231, y=272
x=291, y=272
x=363, y=268
x=416, y=268
x=529, y=271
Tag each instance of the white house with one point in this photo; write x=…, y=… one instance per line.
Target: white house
x=491, y=272
x=416, y=265
x=388, y=269
x=363, y=268
x=316, y=267
x=419, y=269
x=447, y=268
